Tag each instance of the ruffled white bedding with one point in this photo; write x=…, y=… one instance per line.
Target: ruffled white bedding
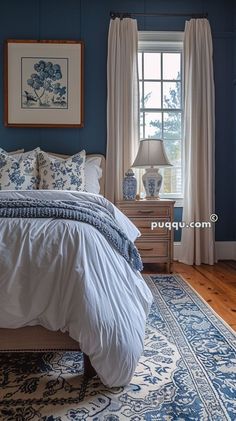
x=63, y=274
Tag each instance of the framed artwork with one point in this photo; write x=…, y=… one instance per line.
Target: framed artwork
x=43, y=84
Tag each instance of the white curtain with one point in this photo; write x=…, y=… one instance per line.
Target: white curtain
x=197, y=245
x=122, y=103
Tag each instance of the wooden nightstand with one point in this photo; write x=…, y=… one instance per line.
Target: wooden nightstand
x=154, y=245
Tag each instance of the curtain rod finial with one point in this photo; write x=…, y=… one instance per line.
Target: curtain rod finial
x=113, y=15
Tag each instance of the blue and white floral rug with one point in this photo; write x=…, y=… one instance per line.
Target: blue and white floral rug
x=187, y=371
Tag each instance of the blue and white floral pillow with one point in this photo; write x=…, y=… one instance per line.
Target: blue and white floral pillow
x=57, y=174
x=18, y=173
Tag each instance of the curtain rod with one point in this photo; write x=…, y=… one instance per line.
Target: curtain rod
x=122, y=15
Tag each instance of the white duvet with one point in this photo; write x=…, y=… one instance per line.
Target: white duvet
x=63, y=274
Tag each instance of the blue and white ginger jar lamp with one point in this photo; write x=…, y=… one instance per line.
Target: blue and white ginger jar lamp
x=129, y=186
x=152, y=156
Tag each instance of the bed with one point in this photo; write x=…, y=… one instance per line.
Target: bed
x=103, y=307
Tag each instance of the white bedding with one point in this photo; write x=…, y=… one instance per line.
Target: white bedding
x=63, y=274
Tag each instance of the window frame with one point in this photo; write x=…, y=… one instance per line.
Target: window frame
x=166, y=42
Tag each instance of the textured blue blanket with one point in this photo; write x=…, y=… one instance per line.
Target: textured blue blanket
x=92, y=214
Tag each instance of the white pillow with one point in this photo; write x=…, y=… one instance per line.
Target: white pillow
x=58, y=174
x=18, y=173
x=93, y=173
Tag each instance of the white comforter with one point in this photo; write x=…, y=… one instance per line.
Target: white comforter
x=63, y=274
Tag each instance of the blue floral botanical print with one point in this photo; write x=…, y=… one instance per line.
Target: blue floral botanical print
x=18, y=174
x=62, y=174
x=41, y=88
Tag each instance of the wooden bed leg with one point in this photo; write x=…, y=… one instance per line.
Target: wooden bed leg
x=89, y=371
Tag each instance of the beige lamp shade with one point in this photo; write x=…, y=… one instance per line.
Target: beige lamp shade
x=151, y=153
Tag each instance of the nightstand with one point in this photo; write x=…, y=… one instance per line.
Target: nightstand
x=155, y=245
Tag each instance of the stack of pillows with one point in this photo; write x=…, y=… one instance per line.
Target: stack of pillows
x=41, y=170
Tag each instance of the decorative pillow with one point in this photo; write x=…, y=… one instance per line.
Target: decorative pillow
x=20, y=154
x=17, y=152
x=92, y=170
x=58, y=174
x=93, y=173
x=18, y=173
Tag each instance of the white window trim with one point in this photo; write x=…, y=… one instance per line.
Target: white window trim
x=170, y=41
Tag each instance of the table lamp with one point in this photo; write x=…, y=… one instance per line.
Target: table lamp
x=151, y=155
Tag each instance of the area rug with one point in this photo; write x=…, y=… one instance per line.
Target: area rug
x=187, y=371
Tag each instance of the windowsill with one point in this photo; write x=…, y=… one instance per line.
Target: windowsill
x=179, y=202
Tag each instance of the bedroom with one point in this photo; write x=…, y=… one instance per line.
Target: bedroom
x=53, y=375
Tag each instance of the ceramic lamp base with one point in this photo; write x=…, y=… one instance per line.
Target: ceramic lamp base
x=152, y=181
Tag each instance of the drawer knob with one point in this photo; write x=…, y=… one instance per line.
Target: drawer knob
x=146, y=249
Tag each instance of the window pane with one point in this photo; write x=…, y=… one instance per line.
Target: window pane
x=172, y=128
x=141, y=94
x=153, y=125
x=171, y=65
x=171, y=94
x=172, y=180
x=152, y=66
x=140, y=75
x=173, y=150
x=161, y=109
x=141, y=131
x=152, y=95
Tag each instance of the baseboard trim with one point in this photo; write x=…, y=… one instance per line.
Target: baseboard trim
x=225, y=250
x=177, y=249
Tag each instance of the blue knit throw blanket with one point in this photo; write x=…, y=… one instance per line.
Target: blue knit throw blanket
x=90, y=213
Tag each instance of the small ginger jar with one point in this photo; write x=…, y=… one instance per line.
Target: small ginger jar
x=129, y=185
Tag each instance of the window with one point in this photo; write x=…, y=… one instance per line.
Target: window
x=161, y=101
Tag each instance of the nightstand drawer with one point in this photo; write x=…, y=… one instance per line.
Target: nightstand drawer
x=144, y=226
x=146, y=211
x=155, y=246
x=149, y=249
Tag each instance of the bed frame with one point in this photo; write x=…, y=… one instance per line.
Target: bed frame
x=39, y=339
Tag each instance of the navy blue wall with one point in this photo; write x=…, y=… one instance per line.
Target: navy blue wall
x=88, y=20
x=234, y=109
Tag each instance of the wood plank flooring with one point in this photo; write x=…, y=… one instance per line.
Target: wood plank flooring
x=216, y=284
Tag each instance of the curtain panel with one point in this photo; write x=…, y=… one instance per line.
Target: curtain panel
x=122, y=103
x=197, y=245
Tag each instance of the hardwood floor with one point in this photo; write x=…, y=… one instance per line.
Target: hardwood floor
x=216, y=284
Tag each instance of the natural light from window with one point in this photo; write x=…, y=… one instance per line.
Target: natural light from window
x=161, y=110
